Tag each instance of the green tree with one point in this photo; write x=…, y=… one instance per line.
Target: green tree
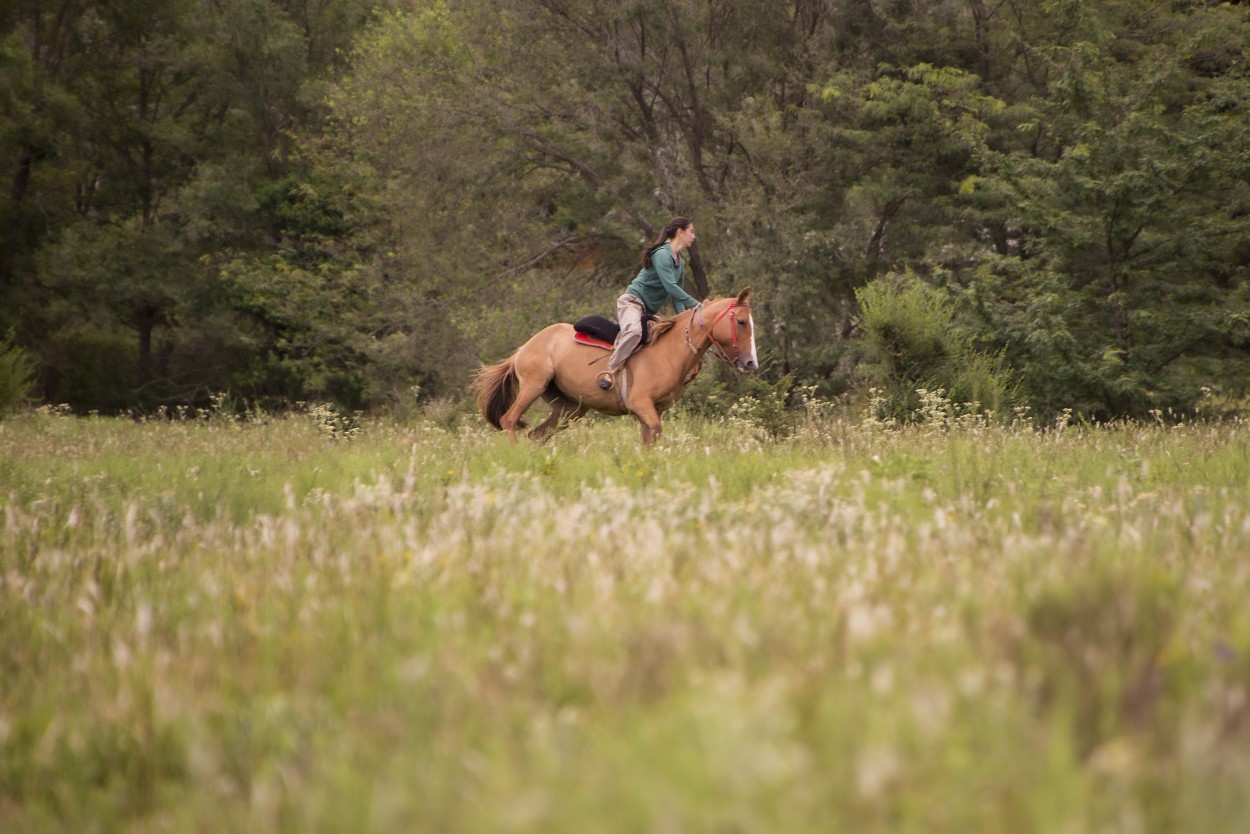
x=344, y=199
x=42, y=50
x=147, y=137
x=1124, y=289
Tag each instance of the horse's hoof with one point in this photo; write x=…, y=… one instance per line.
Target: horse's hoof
x=604, y=380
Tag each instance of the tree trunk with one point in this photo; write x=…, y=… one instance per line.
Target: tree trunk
x=146, y=323
x=873, y=249
x=699, y=273
x=13, y=224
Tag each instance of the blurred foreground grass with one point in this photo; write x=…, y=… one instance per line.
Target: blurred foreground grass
x=210, y=625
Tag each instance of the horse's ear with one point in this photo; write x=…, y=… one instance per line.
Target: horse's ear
x=744, y=296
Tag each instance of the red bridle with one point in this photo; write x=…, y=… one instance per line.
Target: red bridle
x=717, y=348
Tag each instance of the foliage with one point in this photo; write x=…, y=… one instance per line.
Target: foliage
x=144, y=140
x=17, y=370
x=913, y=342
x=1121, y=291
x=332, y=424
x=338, y=201
x=766, y=410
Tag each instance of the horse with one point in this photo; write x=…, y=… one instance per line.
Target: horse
x=561, y=370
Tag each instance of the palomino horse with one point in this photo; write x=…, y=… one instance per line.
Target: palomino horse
x=554, y=366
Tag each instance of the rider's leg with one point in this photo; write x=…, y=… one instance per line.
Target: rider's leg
x=629, y=312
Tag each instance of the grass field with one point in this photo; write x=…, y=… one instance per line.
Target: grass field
x=268, y=626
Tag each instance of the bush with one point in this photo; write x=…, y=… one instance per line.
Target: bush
x=766, y=408
x=913, y=342
x=17, y=375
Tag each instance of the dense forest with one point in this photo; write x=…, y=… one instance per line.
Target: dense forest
x=1032, y=202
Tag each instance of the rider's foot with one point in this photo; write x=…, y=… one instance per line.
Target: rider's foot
x=605, y=380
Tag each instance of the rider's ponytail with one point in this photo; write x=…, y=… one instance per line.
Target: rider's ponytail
x=670, y=231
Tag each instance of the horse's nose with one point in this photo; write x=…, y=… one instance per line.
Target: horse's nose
x=749, y=365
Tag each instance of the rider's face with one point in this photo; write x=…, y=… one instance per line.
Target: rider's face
x=685, y=236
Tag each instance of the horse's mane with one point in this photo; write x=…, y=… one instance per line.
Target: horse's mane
x=662, y=324
x=659, y=326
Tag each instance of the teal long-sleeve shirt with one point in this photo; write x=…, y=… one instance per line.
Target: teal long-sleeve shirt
x=664, y=280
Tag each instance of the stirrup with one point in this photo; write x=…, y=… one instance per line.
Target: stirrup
x=605, y=380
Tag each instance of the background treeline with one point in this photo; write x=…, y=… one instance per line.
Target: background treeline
x=1032, y=202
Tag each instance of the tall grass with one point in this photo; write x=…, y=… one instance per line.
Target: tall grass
x=213, y=625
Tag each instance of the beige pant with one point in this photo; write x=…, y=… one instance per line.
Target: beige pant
x=629, y=313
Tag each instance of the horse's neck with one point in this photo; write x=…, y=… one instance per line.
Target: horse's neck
x=689, y=334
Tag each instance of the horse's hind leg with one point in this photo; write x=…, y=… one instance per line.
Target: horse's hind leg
x=563, y=410
x=535, y=368
x=530, y=389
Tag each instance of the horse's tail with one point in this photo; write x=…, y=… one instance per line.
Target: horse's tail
x=496, y=386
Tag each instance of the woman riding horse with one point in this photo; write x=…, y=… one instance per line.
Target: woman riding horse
x=662, y=278
x=558, y=367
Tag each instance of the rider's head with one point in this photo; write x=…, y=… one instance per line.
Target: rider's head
x=679, y=230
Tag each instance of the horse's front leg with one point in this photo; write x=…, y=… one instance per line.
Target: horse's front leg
x=649, y=417
x=563, y=411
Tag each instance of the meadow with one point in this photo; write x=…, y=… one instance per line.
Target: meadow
x=293, y=624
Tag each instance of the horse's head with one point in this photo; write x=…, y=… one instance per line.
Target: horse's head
x=732, y=331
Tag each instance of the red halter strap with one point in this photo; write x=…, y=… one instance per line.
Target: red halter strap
x=717, y=348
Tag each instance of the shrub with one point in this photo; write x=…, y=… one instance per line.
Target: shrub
x=17, y=375
x=333, y=423
x=766, y=407
x=912, y=342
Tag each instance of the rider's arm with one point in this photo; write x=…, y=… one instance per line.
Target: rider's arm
x=666, y=268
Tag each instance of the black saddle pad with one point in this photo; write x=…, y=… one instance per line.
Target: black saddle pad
x=606, y=329
x=602, y=329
